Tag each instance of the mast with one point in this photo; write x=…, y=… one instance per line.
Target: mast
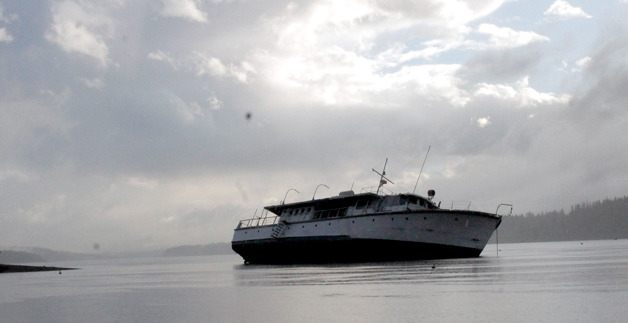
x=421, y=171
x=382, y=176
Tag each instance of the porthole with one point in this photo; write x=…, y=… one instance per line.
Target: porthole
x=424, y=218
x=329, y=223
x=406, y=218
x=392, y=219
x=456, y=219
x=353, y=221
x=373, y=220
x=302, y=227
x=316, y=225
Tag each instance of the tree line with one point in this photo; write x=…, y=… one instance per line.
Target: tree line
x=600, y=220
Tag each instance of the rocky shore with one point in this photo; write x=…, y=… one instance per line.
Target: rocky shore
x=22, y=268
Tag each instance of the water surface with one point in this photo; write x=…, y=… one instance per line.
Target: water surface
x=535, y=282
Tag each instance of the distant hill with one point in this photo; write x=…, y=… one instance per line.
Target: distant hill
x=19, y=257
x=222, y=248
x=56, y=255
x=607, y=219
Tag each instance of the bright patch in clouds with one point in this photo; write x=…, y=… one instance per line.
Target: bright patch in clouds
x=186, y=9
x=5, y=37
x=520, y=94
x=483, y=122
x=583, y=62
x=143, y=183
x=563, y=10
x=504, y=37
x=209, y=65
x=159, y=56
x=94, y=83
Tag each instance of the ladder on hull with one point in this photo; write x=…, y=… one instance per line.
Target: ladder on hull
x=279, y=229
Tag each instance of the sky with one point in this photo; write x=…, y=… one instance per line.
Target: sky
x=146, y=124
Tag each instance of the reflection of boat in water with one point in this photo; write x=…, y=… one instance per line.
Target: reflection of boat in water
x=354, y=227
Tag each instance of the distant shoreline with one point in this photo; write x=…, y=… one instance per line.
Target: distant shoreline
x=22, y=268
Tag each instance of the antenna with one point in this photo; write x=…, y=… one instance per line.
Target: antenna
x=421, y=171
x=382, y=177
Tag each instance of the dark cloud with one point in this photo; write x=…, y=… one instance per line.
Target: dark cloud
x=498, y=66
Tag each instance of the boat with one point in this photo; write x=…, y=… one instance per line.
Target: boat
x=363, y=227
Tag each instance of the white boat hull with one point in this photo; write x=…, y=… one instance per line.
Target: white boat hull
x=374, y=237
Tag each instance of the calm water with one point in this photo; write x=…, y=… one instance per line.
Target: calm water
x=536, y=282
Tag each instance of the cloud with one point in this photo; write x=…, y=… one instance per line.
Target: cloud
x=79, y=27
x=326, y=49
x=143, y=183
x=186, y=9
x=504, y=37
x=583, y=62
x=5, y=36
x=94, y=83
x=208, y=65
x=561, y=9
x=160, y=56
x=455, y=13
x=16, y=175
x=156, y=150
x=192, y=111
x=7, y=18
x=521, y=94
x=483, y=122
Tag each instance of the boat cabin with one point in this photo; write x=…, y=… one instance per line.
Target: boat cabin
x=349, y=204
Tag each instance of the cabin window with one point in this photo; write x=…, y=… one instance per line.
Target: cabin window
x=361, y=204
